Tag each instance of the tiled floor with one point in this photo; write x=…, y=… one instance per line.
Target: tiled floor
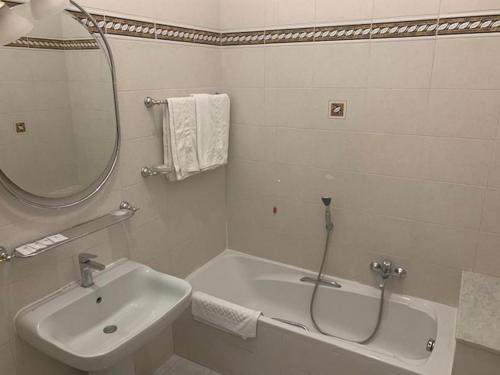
x=180, y=366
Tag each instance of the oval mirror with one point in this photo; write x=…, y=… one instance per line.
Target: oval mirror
x=59, y=126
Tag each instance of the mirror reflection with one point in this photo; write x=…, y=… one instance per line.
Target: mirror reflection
x=58, y=128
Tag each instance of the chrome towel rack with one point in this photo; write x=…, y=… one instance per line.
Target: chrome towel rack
x=149, y=102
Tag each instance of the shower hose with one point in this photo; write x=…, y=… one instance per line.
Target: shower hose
x=315, y=292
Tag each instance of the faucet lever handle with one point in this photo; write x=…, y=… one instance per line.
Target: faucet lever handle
x=85, y=257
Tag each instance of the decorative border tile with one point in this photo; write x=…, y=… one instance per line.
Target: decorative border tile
x=56, y=44
x=65, y=45
x=469, y=25
x=298, y=35
x=22, y=42
x=404, y=29
x=187, y=35
x=243, y=38
x=88, y=23
x=342, y=32
x=383, y=30
x=128, y=27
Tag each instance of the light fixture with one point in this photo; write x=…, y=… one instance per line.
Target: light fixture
x=12, y=25
x=45, y=8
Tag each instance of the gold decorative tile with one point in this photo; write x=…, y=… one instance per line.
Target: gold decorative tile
x=469, y=25
x=404, y=29
x=129, y=27
x=187, y=35
x=243, y=38
x=87, y=22
x=298, y=35
x=337, y=109
x=342, y=32
x=22, y=42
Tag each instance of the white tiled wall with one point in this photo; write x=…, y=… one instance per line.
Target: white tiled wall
x=179, y=227
x=413, y=169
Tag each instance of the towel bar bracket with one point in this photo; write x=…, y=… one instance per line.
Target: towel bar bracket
x=149, y=102
x=153, y=171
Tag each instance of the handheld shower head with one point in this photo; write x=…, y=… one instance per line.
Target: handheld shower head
x=327, y=201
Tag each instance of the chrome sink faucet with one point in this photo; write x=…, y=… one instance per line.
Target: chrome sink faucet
x=86, y=266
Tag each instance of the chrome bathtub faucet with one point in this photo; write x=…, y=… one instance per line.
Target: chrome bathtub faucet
x=386, y=270
x=86, y=266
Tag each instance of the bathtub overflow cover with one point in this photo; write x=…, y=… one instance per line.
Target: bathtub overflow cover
x=110, y=329
x=430, y=345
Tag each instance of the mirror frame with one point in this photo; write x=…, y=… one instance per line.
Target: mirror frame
x=38, y=201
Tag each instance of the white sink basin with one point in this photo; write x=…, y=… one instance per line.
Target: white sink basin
x=68, y=324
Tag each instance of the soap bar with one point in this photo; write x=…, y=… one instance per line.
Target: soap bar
x=57, y=238
x=37, y=245
x=25, y=250
x=46, y=242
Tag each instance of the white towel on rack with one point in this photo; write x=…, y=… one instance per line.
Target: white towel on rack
x=212, y=118
x=179, y=138
x=225, y=315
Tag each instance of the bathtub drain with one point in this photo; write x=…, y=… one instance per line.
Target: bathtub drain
x=110, y=329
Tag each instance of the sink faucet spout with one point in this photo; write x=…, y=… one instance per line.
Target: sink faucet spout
x=86, y=266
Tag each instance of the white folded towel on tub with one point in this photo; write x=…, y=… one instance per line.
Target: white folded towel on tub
x=225, y=315
x=212, y=118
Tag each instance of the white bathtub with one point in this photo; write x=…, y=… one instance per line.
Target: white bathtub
x=349, y=312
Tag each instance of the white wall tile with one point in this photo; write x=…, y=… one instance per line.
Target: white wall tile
x=494, y=173
x=449, y=204
x=344, y=11
x=401, y=64
x=457, y=160
x=243, y=14
x=247, y=105
x=292, y=108
x=488, y=255
x=341, y=64
x=390, y=155
x=454, y=6
x=296, y=146
x=405, y=8
x=398, y=111
x=462, y=113
x=467, y=63
x=491, y=213
x=200, y=13
x=252, y=143
x=286, y=13
x=243, y=67
x=289, y=66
